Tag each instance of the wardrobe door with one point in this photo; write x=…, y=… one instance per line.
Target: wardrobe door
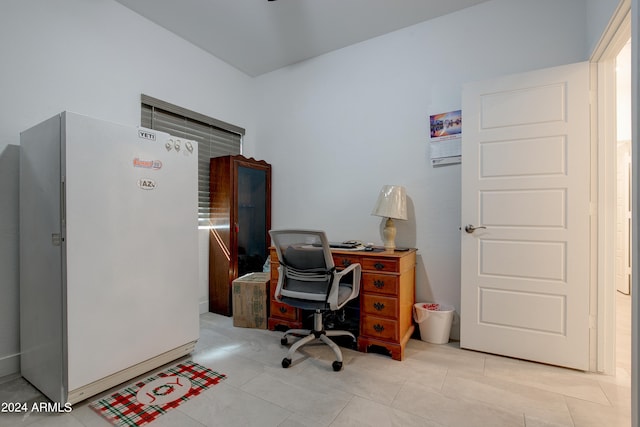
x=252, y=228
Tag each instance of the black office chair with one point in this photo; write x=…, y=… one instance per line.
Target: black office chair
x=309, y=280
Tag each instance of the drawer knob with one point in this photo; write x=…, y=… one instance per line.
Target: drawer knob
x=378, y=327
x=378, y=306
x=283, y=310
x=346, y=262
x=378, y=284
x=378, y=265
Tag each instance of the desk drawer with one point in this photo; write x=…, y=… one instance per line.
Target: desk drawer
x=378, y=327
x=344, y=261
x=380, y=283
x=379, y=305
x=381, y=265
x=283, y=311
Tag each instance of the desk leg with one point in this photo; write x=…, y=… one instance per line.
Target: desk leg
x=395, y=350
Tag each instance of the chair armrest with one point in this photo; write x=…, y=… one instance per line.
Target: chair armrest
x=335, y=286
x=278, y=292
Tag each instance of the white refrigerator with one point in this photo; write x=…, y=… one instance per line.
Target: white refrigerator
x=108, y=253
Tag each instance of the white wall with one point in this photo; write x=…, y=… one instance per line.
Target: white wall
x=338, y=127
x=95, y=58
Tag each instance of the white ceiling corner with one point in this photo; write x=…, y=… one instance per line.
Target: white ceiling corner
x=259, y=36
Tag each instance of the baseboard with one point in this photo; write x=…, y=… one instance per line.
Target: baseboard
x=10, y=365
x=203, y=307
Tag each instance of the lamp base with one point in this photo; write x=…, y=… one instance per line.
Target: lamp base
x=389, y=235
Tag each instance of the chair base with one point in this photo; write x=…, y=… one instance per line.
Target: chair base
x=309, y=335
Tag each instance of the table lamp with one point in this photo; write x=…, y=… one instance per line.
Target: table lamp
x=391, y=204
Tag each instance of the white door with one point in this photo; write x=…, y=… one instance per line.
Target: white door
x=526, y=178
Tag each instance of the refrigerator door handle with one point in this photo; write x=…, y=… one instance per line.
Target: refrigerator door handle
x=63, y=211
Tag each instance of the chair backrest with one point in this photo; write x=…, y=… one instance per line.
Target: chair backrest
x=303, y=249
x=307, y=264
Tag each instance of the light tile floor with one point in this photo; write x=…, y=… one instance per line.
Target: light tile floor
x=436, y=385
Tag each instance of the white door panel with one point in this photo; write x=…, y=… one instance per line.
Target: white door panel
x=524, y=208
x=527, y=157
x=525, y=177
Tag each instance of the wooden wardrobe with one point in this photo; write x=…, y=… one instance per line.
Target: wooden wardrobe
x=240, y=191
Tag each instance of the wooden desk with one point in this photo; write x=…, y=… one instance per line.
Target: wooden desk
x=387, y=295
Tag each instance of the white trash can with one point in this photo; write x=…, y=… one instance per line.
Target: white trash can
x=434, y=321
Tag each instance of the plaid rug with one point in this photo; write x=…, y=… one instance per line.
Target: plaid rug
x=143, y=402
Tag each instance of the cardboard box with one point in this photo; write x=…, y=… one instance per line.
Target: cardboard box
x=251, y=300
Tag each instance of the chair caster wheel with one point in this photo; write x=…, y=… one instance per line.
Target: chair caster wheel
x=284, y=341
x=336, y=365
x=286, y=362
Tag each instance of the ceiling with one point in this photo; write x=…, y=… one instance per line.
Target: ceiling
x=259, y=36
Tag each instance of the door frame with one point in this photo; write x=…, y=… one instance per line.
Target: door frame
x=603, y=134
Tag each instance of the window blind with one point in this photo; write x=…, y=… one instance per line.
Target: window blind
x=215, y=138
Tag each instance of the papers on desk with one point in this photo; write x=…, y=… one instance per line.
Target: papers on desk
x=349, y=245
x=343, y=247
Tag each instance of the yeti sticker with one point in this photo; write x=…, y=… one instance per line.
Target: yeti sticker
x=146, y=135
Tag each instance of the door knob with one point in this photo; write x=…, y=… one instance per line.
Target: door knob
x=469, y=228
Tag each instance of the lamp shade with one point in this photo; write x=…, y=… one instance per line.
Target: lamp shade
x=392, y=202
